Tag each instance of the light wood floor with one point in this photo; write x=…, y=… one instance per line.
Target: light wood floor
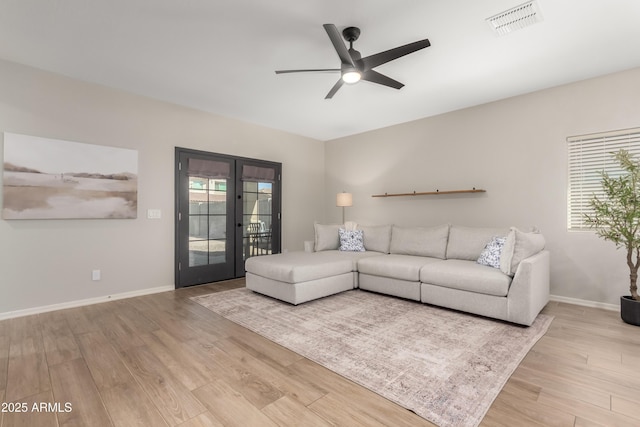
x=162, y=360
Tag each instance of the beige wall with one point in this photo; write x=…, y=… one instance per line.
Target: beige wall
x=516, y=150
x=49, y=262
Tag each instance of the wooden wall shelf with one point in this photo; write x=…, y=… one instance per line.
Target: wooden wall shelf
x=429, y=193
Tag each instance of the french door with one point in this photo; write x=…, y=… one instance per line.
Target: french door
x=227, y=210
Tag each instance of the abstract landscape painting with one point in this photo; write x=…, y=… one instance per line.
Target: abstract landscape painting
x=52, y=179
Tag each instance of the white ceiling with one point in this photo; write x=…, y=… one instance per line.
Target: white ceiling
x=220, y=55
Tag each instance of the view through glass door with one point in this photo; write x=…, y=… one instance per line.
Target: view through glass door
x=227, y=210
x=260, y=209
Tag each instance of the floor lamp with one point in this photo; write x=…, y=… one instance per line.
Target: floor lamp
x=342, y=200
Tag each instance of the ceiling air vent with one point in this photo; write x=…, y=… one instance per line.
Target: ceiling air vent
x=516, y=18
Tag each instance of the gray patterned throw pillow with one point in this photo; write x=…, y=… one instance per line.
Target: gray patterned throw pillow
x=351, y=240
x=490, y=255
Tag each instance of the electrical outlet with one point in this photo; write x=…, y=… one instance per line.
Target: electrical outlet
x=95, y=275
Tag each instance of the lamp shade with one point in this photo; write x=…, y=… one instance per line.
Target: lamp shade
x=344, y=199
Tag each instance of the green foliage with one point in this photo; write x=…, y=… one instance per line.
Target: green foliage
x=616, y=216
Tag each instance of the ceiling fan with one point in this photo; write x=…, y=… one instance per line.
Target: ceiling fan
x=353, y=67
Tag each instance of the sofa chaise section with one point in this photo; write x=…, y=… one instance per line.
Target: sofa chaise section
x=297, y=277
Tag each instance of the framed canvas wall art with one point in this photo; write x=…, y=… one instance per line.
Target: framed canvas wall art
x=47, y=178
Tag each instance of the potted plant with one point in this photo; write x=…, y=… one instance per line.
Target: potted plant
x=616, y=217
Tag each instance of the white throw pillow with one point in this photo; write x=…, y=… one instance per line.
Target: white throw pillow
x=420, y=241
x=492, y=251
x=351, y=240
x=326, y=237
x=468, y=242
x=518, y=246
x=376, y=238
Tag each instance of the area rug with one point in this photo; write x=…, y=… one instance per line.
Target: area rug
x=446, y=366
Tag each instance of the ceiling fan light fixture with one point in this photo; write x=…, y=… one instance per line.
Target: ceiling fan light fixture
x=351, y=76
x=353, y=67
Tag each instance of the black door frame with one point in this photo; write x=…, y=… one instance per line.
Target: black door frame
x=236, y=219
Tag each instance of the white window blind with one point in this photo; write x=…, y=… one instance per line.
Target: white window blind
x=589, y=156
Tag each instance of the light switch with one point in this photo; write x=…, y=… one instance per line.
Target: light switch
x=154, y=214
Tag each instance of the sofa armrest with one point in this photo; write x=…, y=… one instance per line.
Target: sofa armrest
x=529, y=290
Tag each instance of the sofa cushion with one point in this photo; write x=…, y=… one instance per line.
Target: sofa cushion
x=468, y=242
x=403, y=267
x=296, y=267
x=326, y=237
x=466, y=276
x=351, y=240
x=420, y=241
x=376, y=237
x=354, y=257
x=518, y=246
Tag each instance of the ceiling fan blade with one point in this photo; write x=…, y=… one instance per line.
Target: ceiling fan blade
x=338, y=44
x=381, y=79
x=317, y=70
x=334, y=89
x=395, y=53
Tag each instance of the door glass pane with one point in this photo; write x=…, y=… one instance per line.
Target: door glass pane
x=207, y=212
x=198, y=252
x=217, y=227
x=204, y=252
x=256, y=215
x=217, y=251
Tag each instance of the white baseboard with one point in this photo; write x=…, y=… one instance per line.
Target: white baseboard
x=585, y=303
x=89, y=301
x=80, y=303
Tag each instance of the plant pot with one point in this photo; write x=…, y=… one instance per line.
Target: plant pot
x=630, y=310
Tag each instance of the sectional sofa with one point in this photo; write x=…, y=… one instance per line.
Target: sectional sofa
x=495, y=272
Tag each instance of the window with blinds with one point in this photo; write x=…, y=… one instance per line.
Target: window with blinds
x=589, y=156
